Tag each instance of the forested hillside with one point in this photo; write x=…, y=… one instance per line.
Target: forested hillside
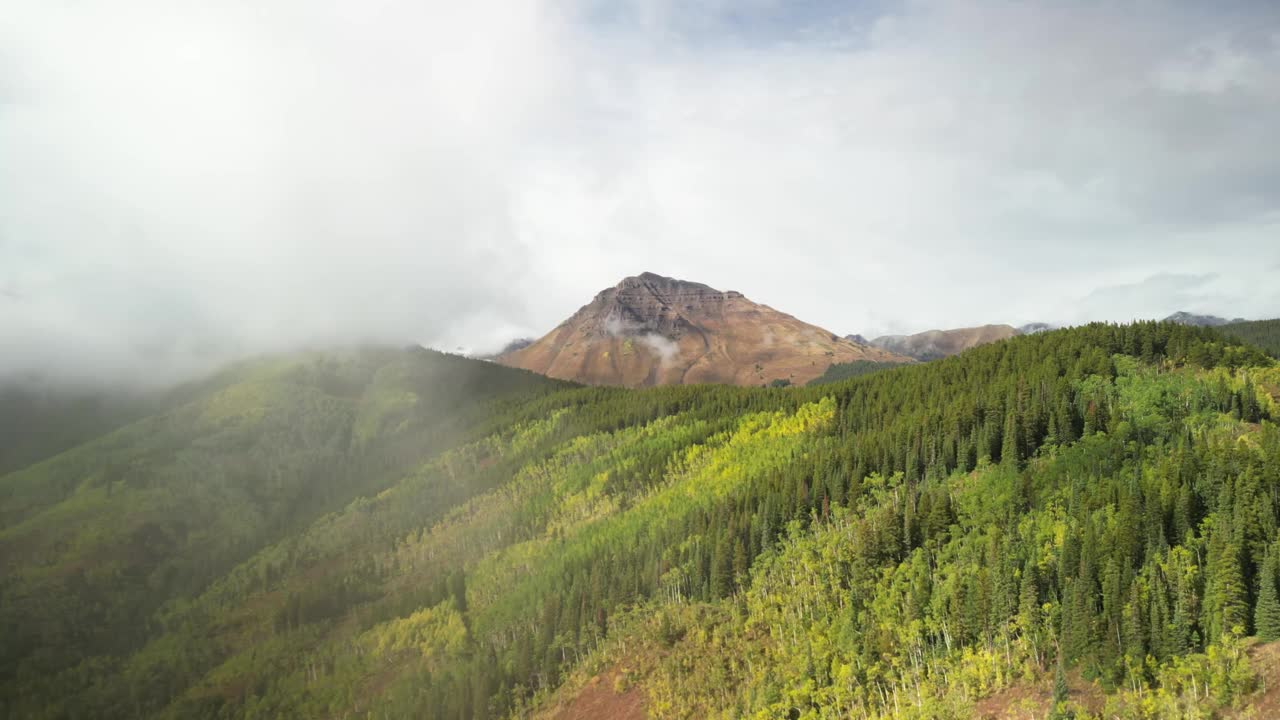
x=837, y=372
x=40, y=417
x=95, y=540
x=38, y=421
x=1099, y=503
x=1263, y=333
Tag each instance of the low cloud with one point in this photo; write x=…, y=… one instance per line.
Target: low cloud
x=665, y=348
x=1154, y=297
x=1158, y=296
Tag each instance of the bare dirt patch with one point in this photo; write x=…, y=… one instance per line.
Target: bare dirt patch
x=600, y=699
x=1031, y=701
x=1265, y=702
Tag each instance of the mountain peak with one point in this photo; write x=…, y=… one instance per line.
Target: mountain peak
x=663, y=286
x=647, y=276
x=650, y=329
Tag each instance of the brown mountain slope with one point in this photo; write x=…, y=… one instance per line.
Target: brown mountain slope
x=655, y=330
x=934, y=344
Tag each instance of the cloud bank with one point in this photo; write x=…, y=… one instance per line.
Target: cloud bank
x=182, y=182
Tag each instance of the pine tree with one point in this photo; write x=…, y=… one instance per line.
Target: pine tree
x=1060, y=693
x=1266, y=617
x=1184, y=513
x=1225, y=599
x=458, y=590
x=1028, y=599
x=741, y=562
x=1249, y=410
x=721, y=571
x=1159, y=623
x=1010, y=453
x=1134, y=630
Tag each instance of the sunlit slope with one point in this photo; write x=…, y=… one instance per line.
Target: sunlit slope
x=732, y=551
x=1136, y=559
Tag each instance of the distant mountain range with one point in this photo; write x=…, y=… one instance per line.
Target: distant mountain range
x=1185, y=318
x=935, y=344
x=655, y=330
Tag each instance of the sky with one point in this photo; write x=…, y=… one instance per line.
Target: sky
x=183, y=182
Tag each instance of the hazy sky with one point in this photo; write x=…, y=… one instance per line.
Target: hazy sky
x=188, y=180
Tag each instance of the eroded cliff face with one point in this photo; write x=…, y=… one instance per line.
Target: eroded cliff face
x=655, y=330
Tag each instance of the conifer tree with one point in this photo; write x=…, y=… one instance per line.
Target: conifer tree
x=1226, y=604
x=1028, y=599
x=1266, y=617
x=741, y=562
x=1009, y=450
x=1135, y=628
x=721, y=572
x=1060, y=692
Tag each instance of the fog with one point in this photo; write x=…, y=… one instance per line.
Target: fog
x=182, y=182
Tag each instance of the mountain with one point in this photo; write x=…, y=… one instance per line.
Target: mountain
x=654, y=330
x=402, y=534
x=1185, y=318
x=510, y=347
x=934, y=344
x=1036, y=327
x=517, y=344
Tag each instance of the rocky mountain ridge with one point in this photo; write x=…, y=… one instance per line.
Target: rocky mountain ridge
x=1183, y=317
x=655, y=330
x=935, y=344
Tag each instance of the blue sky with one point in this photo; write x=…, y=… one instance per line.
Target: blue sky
x=189, y=180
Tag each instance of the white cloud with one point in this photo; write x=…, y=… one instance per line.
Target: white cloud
x=192, y=179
